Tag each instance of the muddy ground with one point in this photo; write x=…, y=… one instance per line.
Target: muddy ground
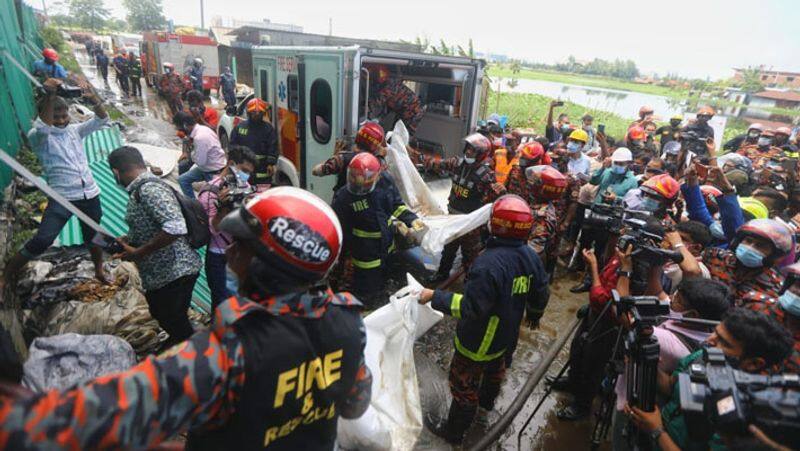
x=151, y=125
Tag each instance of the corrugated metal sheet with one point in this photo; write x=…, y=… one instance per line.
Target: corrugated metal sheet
x=17, y=26
x=114, y=201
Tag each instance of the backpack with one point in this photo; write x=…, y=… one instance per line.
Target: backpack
x=198, y=234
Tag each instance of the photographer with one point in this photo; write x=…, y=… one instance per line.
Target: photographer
x=216, y=200
x=751, y=342
x=701, y=129
x=555, y=131
x=59, y=147
x=747, y=266
x=730, y=212
x=694, y=298
x=689, y=238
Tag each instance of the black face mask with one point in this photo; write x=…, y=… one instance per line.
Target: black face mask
x=674, y=123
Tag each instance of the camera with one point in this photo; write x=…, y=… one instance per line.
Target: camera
x=694, y=143
x=646, y=245
x=238, y=192
x=606, y=216
x=717, y=398
x=69, y=91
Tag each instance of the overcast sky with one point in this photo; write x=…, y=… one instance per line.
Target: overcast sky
x=692, y=37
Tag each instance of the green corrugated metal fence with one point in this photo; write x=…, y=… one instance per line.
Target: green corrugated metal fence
x=114, y=201
x=18, y=27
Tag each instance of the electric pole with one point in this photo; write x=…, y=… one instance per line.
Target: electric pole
x=202, y=16
x=330, y=26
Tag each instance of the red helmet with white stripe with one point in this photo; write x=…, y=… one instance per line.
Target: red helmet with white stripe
x=291, y=229
x=511, y=217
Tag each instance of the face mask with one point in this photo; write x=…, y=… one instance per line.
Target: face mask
x=619, y=170
x=749, y=257
x=587, y=128
x=753, y=135
x=702, y=119
x=469, y=160
x=573, y=147
x=565, y=128
x=763, y=142
x=636, y=143
x=790, y=303
x=241, y=176
x=674, y=123
x=716, y=230
x=231, y=281
x=650, y=204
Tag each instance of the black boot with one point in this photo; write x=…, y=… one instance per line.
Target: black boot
x=458, y=421
x=558, y=384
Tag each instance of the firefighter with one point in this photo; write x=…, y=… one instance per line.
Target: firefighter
x=170, y=86
x=369, y=138
x=474, y=185
x=257, y=134
x=542, y=185
x=782, y=135
x=195, y=74
x=505, y=280
x=368, y=211
x=388, y=94
x=747, y=139
x=504, y=155
x=135, y=74
x=48, y=66
x=281, y=362
x=120, y=64
x=762, y=151
x=670, y=132
x=701, y=128
x=657, y=195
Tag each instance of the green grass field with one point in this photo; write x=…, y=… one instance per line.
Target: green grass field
x=586, y=80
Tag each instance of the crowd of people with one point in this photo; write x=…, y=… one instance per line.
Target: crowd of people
x=656, y=213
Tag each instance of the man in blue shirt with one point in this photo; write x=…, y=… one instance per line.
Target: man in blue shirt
x=59, y=146
x=47, y=67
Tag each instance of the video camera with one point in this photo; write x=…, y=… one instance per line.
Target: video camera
x=717, y=398
x=238, y=192
x=640, y=347
x=606, y=216
x=646, y=245
x=691, y=141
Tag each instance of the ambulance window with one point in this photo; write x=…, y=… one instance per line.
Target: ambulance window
x=321, y=105
x=293, y=94
x=263, y=80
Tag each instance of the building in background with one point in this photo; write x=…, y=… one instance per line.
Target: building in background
x=773, y=77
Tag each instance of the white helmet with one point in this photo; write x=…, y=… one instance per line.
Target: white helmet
x=198, y=61
x=622, y=154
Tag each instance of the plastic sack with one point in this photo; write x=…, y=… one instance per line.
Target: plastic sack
x=393, y=419
x=61, y=361
x=444, y=229
x=413, y=190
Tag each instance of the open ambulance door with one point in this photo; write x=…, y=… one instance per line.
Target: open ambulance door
x=321, y=118
x=265, y=73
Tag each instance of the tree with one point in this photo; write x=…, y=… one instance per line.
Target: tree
x=90, y=14
x=751, y=80
x=145, y=15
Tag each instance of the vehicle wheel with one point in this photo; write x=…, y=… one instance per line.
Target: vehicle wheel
x=223, y=139
x=281, y=179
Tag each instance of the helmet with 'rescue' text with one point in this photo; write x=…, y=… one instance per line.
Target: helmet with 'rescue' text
x=511, y=217
x=546, y=182
x=370, y=137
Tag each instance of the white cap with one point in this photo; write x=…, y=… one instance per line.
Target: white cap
x=622, y=154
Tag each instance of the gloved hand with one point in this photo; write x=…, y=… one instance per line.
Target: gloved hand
x=401, y=228
x=417, y=225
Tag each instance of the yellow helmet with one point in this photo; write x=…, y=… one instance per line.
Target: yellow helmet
x=676, y=117
x=579, y=135
x=755, y=207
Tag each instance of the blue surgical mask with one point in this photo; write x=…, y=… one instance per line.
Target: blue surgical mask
x=763, y=142
x=469, y=160
x=243, y=177
x=573, y=147
x=790, y=303
x=716, y=230
x=749, y=257
x=650, y=204
x=617, y=169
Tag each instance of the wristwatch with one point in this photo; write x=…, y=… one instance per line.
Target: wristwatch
x=656, y=433
x=622, y=273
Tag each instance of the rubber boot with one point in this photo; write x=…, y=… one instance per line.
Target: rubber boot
x=458, y=421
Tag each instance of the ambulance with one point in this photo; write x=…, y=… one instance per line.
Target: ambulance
x=320, y=95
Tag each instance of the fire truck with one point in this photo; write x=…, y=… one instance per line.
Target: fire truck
x=320, y=96
x=156, y=48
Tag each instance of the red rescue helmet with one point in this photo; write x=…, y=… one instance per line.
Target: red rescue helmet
x=50, y=54
x=662, y=186
x=783, y=131
x=781, y=238
x=546, y=182
x=636, y=133
x=706, y=110
x=511, y=217
x=479, y=143
x=532, y=152
x=293, y=231
x=256, y=105
x=644, y=110
x=370, y=137
x=792, y=275
x=362, y=173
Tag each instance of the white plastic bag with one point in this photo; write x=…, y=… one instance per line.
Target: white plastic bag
x=393, y=419
x=444, y=229
x=413, y=190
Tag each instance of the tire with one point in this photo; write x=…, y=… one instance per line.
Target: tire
x=223, y=139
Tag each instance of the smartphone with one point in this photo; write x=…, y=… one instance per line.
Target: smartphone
x=601, y=128
x=702, y=170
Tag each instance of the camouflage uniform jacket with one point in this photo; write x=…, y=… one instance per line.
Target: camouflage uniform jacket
x=758, y=156
x=761, y=288
x=400, y=99
x=543, y=232
x=473, y=184
x=774, y=309
x=195, y=385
